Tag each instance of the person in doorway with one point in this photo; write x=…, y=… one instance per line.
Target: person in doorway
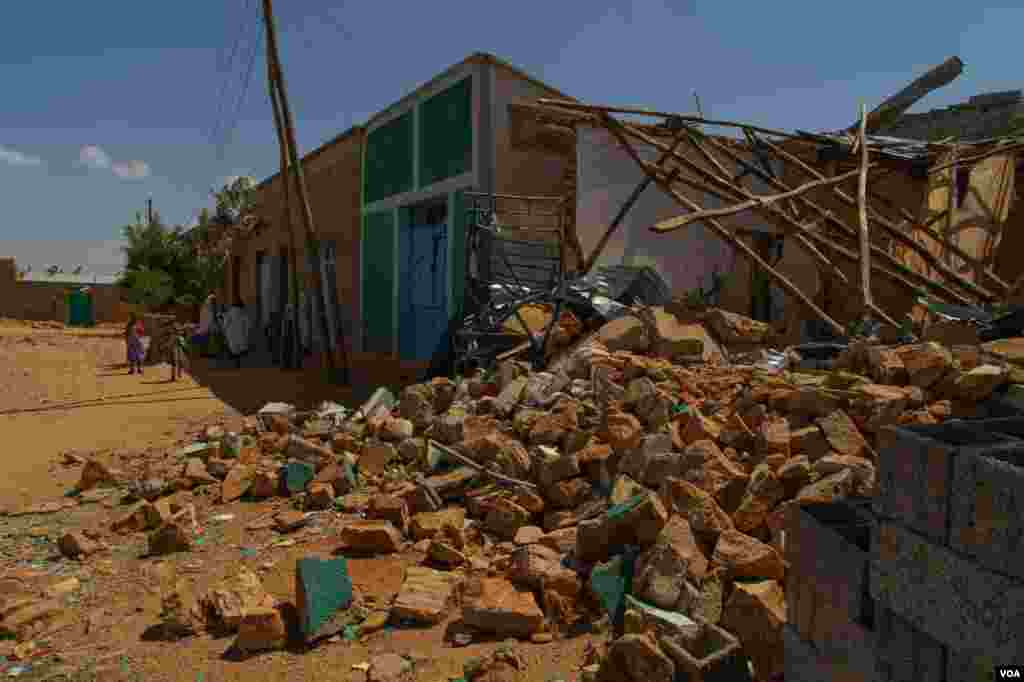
x=133, y=334
x=201, y=338
x=236, y=331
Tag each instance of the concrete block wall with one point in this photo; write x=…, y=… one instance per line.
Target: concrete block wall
x=830, y=614
x=945, y=570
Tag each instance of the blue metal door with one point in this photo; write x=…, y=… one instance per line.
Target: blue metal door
x=423, y=291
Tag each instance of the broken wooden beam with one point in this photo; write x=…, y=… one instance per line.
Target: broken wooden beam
x=616, y=129
x=891, y=229
x=893, y=107
x=671, y=224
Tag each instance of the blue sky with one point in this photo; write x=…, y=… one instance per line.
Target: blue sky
x=108, y=103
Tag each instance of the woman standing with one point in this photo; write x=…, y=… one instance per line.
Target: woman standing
x=133, y=334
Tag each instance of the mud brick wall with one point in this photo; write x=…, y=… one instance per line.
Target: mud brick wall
x=975, y=612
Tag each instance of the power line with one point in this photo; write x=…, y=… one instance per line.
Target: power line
x=247, y=79
x=226, y=68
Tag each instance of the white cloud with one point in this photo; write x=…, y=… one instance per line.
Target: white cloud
x=16, y=158
x=131, y=170
x=95, y=157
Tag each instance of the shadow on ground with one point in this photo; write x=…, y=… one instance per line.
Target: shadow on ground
x=257, y=382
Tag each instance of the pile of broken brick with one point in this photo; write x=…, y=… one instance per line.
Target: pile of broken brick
x=641, y=484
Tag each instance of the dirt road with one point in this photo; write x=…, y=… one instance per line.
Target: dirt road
x=62, y=390
x=65, y=390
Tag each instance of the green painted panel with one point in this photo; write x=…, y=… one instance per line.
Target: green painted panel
x=457, y=236
x=378, y=281
x=446, y=133
x=388, y=162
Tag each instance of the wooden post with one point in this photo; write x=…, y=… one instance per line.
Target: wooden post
x=300, y=182
x=286, y=217
x=862, y=209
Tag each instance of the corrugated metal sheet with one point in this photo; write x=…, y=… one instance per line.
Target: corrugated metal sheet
x=70, y=279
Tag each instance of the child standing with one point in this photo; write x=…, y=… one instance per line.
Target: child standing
x=133, y=339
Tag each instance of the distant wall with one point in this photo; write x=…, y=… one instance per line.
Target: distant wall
x=45, y=300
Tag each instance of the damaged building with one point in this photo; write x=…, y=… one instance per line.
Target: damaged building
x=389, y=208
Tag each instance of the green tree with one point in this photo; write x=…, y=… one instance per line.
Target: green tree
x=177, y=265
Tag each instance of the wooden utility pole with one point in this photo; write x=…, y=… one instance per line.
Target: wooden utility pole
x=312, y=248
x=862, y=210
x=286, y=219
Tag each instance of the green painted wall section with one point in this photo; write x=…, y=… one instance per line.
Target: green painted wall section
x=388, y=160
x=446, y=133
x=378, y=285
x=457, y=239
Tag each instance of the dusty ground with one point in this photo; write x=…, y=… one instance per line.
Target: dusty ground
x=61, y=391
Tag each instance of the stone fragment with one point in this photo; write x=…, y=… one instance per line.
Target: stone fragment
x=636, y=658
x=424, y=525
x=340, y=476
x=75, y=544
x=445, y=553
x=376, y=457
x=537, y=566
x=290, y=520
x=396, y=429
x=926, y=363
x=627, y=333
x=497, y=606
x=505, y=517
x=95, y=473
x=660, y=575
x=732, y=328
x=237, y=483
x=262, y=628
x=842, y=434
x=550, y=466
x=371, y=537
x=764, y=492
x=622, y=431
x=746, y=557
x=810, y=441
x=673, y=338
x=169, y=538
x=196, y=472
x=180, y=612
x=528, y=535
x=417, y=405
x=829, y=489
x=227, y=602
x=756, y=613
x=980, y=383
x=389, y=667
x=697, y=506
x=320, y=496
x=390, y=508
x=265, y=484
x=570, y=493
x=424, y=597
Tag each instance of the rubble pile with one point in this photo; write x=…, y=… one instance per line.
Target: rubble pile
x=639, y=485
